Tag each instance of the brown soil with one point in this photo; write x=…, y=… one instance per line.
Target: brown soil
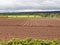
x=34, y=28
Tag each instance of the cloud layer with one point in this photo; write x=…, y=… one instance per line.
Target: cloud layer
x=29, y=4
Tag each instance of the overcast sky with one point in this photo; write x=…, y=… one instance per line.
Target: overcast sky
x=29, y=4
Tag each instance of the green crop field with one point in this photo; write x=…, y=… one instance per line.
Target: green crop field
x=42, y=15
x=20, y=16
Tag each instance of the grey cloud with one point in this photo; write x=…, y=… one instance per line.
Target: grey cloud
x=29, y=4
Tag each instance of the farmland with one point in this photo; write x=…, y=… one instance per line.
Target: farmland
x=30, y=41
x=38, y=26
x=38, y=15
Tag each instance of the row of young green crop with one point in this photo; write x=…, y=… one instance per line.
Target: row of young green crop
x=30, y=41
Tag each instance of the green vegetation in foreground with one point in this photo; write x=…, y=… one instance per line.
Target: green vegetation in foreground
x=30, y=41
x=41, y=15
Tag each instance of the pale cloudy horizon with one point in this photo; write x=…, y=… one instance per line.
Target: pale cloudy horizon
x=13, y=5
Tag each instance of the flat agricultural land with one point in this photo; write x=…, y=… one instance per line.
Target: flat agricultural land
x=40, y=28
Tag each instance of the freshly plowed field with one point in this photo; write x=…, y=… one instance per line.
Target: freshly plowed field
x=36, y=28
